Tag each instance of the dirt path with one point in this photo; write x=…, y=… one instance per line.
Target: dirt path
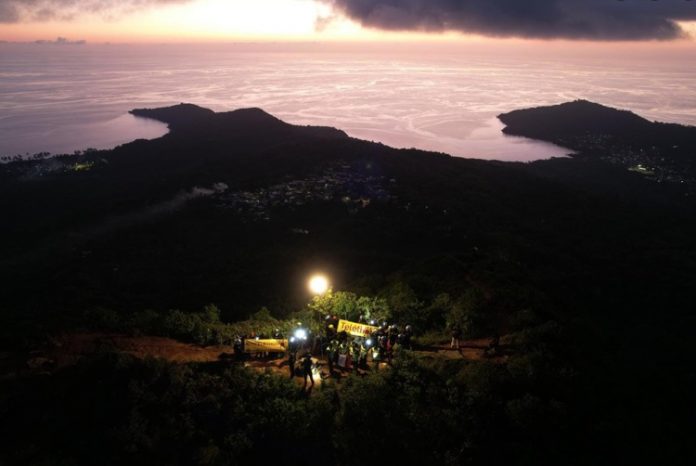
x=66, y=350
x=67, y=347
x=472, y=350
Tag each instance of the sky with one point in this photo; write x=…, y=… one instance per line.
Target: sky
x=665, y=21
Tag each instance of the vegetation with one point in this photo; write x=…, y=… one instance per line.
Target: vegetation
x=115, y=409
x=586, y=268
x=206, y=328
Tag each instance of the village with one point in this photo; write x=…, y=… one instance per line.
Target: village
x=649, y=162
x=342, y=183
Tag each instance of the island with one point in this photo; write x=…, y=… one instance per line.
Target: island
x=660, y=151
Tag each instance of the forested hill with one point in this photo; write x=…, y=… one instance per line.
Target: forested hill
x=585, y=267
x=224, y=126
x=228, y=204
x=176, y=116
x=667, y=151
x=575, y=118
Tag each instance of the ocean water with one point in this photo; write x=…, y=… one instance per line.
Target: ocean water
x=64, y=98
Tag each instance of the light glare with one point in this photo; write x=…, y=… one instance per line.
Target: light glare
x=318, y=284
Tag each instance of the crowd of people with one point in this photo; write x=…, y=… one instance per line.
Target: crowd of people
x=344, y=351
x=339, y=351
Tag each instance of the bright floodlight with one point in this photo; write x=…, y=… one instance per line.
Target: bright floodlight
x=301, y=334
x=318, y=284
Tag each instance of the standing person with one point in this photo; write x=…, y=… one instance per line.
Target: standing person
x=307, y=368
x=331, y=355
x=381, y=350
x=364, y=349
x=456, y=336
x=291, y=363
x=393, y=335
x=355, y=356
x=329, y=337
x=331, y=332
x=238, y=347
x=376, y=356
x=408, y=334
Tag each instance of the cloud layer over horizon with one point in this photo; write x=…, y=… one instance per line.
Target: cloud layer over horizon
x=17, y=11
x=542, y=19
x=539, y=19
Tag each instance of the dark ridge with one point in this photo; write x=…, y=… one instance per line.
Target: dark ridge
x=619, y=136
x=255, y=120
x=176, y=115
x=203, y=123
x=250, y=116
x=571, y=118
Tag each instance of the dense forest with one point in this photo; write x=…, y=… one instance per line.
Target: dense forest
x=586, y=268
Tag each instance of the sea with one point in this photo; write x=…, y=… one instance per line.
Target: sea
x=63, y=98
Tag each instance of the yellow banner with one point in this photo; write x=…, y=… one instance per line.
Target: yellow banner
x=265, y=346
x=355, y=329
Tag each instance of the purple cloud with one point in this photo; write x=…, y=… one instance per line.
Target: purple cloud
x=545, y=19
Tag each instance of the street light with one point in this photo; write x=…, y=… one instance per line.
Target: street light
x=318, y=284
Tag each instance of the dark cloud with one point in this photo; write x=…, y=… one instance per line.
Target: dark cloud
x=568, y=19
x=14, y=11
